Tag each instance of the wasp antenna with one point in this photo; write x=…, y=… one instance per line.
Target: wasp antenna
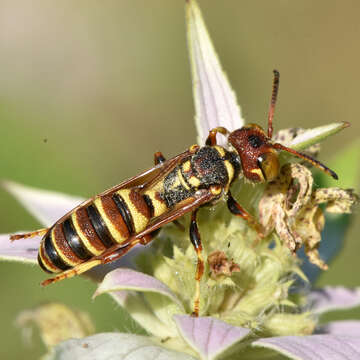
x=275, y=90
x=307, y=158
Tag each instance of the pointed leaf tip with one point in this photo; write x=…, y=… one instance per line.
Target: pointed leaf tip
x=46, y=206
x=316, y=135
x=208, y=336
x=215, y=101
x=21, y=251
x=127, y=279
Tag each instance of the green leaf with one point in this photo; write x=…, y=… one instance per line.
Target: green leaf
x=316, y=135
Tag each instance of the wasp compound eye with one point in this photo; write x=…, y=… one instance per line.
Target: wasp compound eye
x=269, y=165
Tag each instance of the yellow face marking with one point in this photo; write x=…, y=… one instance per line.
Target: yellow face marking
x=182, y=180
x=159, y=206
x=186, y=166
x=220, y=150
x=139, y=220
x=194, y=181
x=259, y=173
x=83, y=238
x=112, y=229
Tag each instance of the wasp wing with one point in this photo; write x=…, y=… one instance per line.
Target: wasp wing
x=200, y=198
x=139, y=181
x=117, y=251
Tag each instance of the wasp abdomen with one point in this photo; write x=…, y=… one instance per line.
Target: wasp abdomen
x=91, y=229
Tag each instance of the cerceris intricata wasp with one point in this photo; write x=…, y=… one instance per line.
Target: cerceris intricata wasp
x=104, y=228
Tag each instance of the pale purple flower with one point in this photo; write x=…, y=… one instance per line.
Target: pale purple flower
x=156, y=305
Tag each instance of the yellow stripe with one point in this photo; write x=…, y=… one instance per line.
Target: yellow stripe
x=230, y=171
x=140, y=221
x=182, y=180
x=194, y=181
x=84, y=239
x=159, y=206
x=186, y=166
x=112, y=229
x=61, y=254
x=220, y=150
x=46, y=261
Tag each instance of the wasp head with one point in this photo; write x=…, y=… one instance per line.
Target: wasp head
x=259, y=159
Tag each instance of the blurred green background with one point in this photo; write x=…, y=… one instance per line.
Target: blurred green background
x=90, y=90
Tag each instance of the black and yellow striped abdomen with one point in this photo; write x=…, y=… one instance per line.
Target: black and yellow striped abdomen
x=91, y=229
x=112, y=218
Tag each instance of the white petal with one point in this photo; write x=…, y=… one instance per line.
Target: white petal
x=114, y=346
x=46, y=206
x=215, y=101
x=23, y=250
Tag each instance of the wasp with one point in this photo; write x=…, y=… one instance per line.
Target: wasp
x=105, y=227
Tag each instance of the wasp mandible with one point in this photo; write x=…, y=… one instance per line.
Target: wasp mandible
x=105, y=227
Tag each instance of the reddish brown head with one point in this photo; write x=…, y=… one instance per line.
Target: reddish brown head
x=259, y=159
x=258, y=154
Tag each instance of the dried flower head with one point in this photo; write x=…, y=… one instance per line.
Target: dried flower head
x=290, y=206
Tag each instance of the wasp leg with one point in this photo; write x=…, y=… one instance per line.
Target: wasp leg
x=159, y=158
x=40, y=232
x=107, y=257
x=236, y=209
x=196, y=241
x=211, y=139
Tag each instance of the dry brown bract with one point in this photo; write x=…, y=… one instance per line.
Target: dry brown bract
x=290, y=206
x=220, y=265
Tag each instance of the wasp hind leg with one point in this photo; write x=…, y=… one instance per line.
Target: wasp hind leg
x=40, y=232
x=236, y=209
x=196, y=241
x=108, y=256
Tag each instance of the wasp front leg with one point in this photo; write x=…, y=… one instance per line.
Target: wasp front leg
x=236, y=209
x=211, y=139
x=196, y=241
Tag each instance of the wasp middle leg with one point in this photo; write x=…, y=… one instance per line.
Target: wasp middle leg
x=236, y=209
x=196, y=241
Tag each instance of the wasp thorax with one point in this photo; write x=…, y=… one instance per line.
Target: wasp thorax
x=259, y=162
